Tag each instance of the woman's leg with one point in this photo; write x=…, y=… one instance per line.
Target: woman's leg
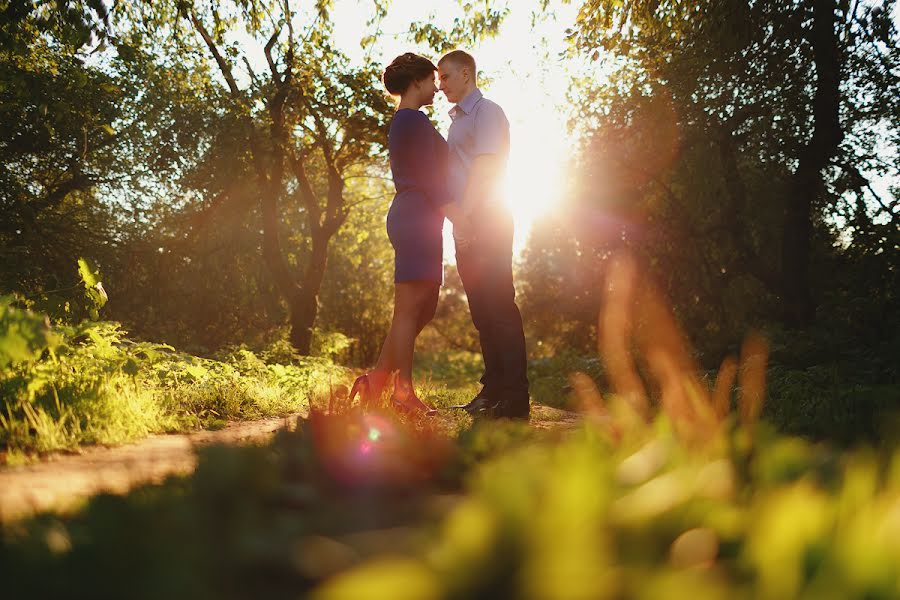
x=409, y=299
x=411, y=305
x=429, y=307
x=414, y=306
x=411, y=314
x=384, y=366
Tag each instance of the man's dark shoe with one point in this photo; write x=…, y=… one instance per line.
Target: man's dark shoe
x=518, y=410
x=480, y=406
x=475, y=402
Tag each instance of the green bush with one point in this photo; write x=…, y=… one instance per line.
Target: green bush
x=549, y=376
x=844, y=402
x=65, y=385
x=825, y=402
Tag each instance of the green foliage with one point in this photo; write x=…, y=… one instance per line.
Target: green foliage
x=332, y=345
x=25, y=335
x=560, y=299
x=93, y=287
x=63, y=386
x=357, y=292
x=451, y=330
x=335, y=511
x=295, y=140
x=828, y=402
x=682, y=166
x=845, y=403
x=455, y=368
x=56, y=114
x=476, y=23
x=549, y=376
x=75, y=24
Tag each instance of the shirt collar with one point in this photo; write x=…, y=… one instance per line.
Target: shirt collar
x=468, y=103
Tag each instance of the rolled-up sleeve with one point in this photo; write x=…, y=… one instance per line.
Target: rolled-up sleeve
x=491, y=130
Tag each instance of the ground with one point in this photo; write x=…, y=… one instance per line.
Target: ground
x=63, y=481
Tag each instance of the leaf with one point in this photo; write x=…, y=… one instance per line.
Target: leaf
x=197, y=372
x=24, y=335
x=130, y=367
x=89, y=273
x=101, y=291
x=93, y=287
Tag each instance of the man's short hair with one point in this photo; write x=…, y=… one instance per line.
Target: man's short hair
x=461, y=58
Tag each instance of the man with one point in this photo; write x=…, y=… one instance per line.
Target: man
x=479, y=148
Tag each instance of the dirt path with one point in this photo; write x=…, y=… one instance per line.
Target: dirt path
x=63, y=481
x=547, y=417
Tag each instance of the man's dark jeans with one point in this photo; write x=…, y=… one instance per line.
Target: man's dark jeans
x=485, y=268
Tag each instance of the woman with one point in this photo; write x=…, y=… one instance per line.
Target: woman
x=418, y=157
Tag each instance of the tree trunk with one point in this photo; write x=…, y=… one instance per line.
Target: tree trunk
x=304, y=305
x=304, y=308
x=302, y=296
x=798, y=306
x=747, y=259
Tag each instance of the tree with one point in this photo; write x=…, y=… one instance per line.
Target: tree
x=58, y=144
x=72, y=24
x=357, y=292
x=309, y=123
x=181, y=144
x=785, y=100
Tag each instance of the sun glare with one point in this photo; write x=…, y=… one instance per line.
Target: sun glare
x=534, y=179
x=520, y=69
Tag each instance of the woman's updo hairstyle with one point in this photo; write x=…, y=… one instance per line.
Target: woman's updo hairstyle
x=404, y=70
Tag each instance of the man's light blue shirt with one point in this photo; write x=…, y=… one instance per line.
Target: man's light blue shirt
x=479, y=127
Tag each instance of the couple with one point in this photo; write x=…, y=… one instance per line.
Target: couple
x=455, y=179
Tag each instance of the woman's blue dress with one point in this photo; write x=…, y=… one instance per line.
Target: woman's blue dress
x=414, y=223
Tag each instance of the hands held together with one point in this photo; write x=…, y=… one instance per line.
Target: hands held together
x=463, y=227
x=464, y=231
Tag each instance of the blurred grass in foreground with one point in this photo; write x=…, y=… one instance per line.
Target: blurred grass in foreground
x=675, y=492
x=372, y=506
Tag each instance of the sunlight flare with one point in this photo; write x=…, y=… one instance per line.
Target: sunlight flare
x=534, y=182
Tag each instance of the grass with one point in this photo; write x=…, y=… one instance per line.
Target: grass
x=548, y=376
x=63, y=387
x=827, y=402
x=670, y=487
x=455, y=368
x=617, y=508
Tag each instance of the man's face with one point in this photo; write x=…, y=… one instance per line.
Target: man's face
x=453, y=80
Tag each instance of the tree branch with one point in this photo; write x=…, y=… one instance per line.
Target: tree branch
x=224, y=67
x=307, y=195
x=251, y=72
x=289, y=58
x=861, y=182
x=276, y=76
x=78, y=181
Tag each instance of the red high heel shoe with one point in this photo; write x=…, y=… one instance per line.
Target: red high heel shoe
x=362, y=388
x=368, y=387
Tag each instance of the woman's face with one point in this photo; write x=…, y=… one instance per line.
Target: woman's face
x=426, y=88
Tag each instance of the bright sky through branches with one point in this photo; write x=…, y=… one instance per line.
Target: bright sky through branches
x=525, y=76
